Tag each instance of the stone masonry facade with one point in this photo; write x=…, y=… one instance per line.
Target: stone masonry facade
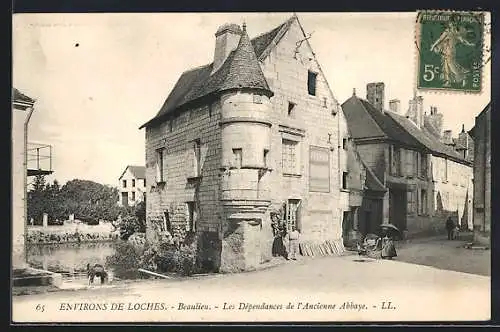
x=227, y=162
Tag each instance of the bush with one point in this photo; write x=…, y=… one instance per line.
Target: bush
x=161, y=257
x=125, y=261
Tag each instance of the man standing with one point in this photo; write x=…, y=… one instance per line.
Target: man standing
x=450, y=226
x=294, y=242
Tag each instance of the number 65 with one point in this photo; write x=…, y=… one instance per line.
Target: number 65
x=429, y=72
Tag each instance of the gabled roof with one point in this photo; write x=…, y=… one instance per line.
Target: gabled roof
x=241, y=69
x=139, y=172
x=427, y=139
x=366, y=122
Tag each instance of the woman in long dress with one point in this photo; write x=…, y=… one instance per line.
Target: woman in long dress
x=279, y=231
x=388, y=248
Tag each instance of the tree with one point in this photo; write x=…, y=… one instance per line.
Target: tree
x=90, y=201
x=37, y=202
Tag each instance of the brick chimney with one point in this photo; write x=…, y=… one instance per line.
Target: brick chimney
x=395, y=105
x=227, y=38
x=416, y=110
x=436, y=119
x=375, y=95
x=447, y=137
x=466, y=143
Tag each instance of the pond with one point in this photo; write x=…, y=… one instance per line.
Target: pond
x=69, y=257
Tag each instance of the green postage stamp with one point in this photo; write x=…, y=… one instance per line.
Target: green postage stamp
x=450, y=47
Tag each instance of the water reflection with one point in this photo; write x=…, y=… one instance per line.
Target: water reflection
x=69, y=257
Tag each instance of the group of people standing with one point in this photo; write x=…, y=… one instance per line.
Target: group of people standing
x=281, y=232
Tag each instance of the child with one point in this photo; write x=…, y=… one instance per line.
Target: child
x=294, y=242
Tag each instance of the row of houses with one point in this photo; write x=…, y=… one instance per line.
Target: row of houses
x=259, y=129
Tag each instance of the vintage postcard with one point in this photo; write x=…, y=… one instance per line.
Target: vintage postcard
x=251, y=167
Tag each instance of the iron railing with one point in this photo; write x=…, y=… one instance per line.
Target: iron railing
x=39, y=159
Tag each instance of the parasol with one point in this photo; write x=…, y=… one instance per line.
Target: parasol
x=390, y=227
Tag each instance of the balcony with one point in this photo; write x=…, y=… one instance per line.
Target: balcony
x=39, y=159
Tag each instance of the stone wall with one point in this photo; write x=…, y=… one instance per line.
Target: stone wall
x=176, y=136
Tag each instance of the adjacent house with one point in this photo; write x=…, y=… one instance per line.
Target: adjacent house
x=132, y=185
x=26, y=161
x=427, y=180
x=255, y=131
x=482, y=176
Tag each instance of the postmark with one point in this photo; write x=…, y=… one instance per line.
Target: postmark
x=450, y=50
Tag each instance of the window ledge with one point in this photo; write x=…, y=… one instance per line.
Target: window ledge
x=345, y=190
x=292, y=175
x=194, y=178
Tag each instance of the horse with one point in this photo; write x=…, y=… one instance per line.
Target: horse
x=96, y=271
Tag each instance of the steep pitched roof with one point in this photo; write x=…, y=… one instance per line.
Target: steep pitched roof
x=20, y=100
x=426, y=138
x=365, y=121
x=139, y=172
x=241, y=69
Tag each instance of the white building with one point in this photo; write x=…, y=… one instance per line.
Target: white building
x=132, y=185
x=27, y=160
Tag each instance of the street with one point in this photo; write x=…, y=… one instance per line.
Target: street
x=322, y=289
x=448, y=255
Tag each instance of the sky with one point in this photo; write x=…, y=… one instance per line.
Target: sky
x=97, y=78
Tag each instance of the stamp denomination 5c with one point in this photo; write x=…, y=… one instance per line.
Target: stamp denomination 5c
x=450, y=47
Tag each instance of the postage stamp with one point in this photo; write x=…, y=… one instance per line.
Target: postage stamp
x=450, y=49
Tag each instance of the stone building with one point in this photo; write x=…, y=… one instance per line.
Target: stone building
x=255, y=131
x=482, y=176
x=132, y=185
x=426, y=180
